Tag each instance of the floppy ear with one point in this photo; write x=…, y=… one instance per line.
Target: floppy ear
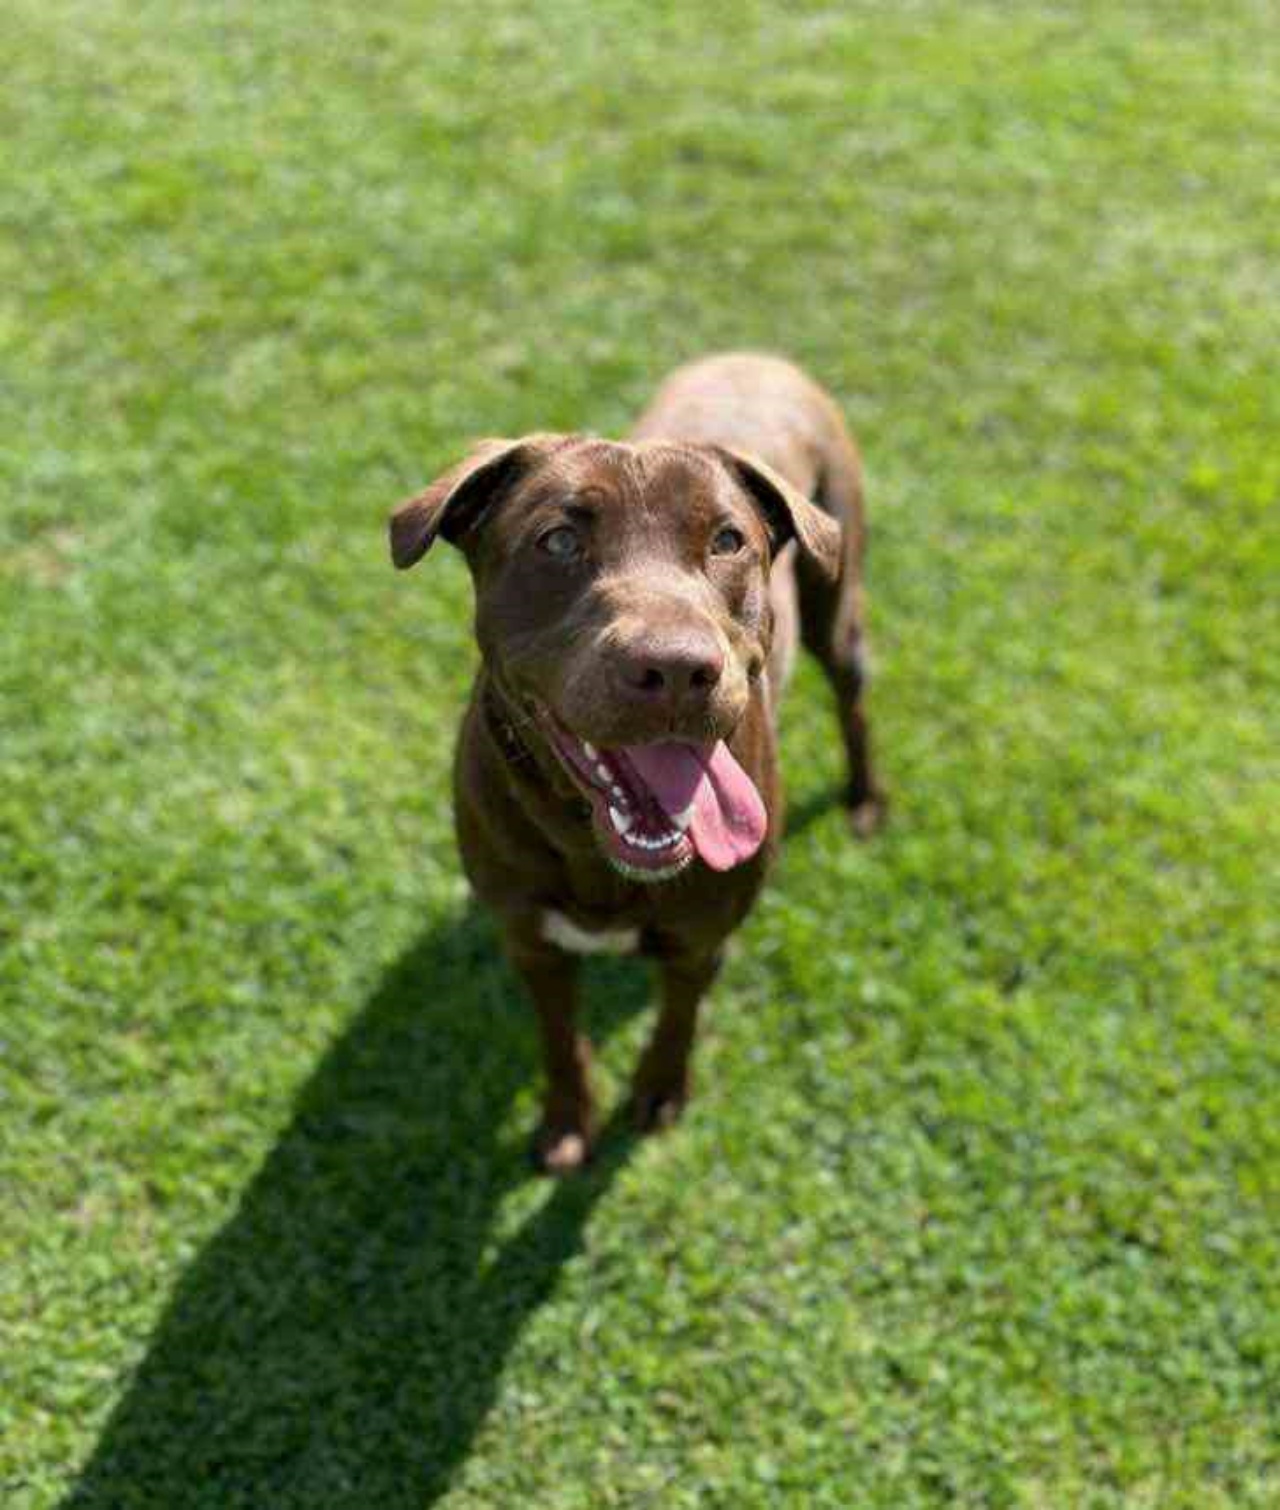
x=788, y=513
x=454, y=502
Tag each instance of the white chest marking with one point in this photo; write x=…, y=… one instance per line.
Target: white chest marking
x=557, y=929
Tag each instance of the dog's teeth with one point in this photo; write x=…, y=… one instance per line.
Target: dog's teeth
x=620, y=794
x=589, y=750
x=604, y=773
x=621, y=821
x=684, y=819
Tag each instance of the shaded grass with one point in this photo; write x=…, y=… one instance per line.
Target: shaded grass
x=979, y=1203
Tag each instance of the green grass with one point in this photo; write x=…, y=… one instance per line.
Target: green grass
x=979, y=1204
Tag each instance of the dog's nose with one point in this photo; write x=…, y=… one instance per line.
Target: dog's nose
x=673, y=668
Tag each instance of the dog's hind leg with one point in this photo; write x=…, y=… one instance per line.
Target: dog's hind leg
x=831, y=627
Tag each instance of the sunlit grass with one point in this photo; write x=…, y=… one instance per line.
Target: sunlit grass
x=979, y=1203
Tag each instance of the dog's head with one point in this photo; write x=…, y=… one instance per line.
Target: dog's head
x=622, y=599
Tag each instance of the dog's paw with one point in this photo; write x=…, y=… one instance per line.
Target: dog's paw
x=560, y=1150
x=869, y=816
x=654, y=1108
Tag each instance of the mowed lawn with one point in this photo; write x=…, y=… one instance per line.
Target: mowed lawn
x=979, y=1204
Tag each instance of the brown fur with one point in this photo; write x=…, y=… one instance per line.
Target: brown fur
x=741, y=442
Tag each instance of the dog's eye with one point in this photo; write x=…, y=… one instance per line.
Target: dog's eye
x=562, y=543
x=727, y=542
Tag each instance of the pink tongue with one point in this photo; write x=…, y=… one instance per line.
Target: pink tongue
x=729, y=820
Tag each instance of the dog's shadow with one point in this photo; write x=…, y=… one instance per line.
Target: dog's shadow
x=339, y=1342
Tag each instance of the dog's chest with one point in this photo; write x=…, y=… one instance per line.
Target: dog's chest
x=562, y=931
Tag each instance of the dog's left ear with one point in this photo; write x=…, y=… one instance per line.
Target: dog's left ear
x=787, y=512
x=454, y=503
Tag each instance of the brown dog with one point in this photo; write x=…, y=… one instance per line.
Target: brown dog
x=636, y=606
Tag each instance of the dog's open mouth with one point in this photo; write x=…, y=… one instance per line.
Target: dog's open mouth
x=656, y=806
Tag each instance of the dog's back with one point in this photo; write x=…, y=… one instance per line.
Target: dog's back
x=767, y=406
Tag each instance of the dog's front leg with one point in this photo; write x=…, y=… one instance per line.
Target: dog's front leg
x=563, y=1140
x=662, y=1080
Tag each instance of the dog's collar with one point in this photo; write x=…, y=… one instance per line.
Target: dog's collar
x=501, y=725
x=521, y=762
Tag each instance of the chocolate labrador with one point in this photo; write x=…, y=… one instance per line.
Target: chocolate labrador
x=637, y=607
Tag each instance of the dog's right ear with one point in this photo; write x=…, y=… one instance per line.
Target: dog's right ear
x=455, y=502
